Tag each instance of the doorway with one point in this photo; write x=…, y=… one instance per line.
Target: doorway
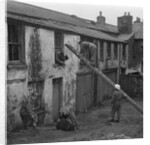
x=57, y=97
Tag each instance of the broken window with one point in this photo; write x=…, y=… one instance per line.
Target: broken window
x=108, y=50
x=15, y=42
x=124, y=51
x=115, y=50
x=101, y=50
x=59, y=53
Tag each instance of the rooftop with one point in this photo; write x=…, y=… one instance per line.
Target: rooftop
x=52, y=19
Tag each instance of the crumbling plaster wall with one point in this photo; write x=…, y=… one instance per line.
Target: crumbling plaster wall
x=50, y=71
x=72, y=67
x=47, y=70
x=16, y=92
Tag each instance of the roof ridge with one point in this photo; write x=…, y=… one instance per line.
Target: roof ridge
x=84, y=19
x=111, y=24
x=69, y=19
x=39, y=7
x=45, y=19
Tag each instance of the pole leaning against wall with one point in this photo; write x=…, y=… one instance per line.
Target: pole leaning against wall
x=100, y=73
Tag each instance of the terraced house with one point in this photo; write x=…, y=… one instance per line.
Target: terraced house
x=35, y=37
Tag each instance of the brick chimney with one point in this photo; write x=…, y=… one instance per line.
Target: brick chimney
x=125, y=23
x=100, y=18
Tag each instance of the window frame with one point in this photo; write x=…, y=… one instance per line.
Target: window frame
x=61, y=42
x=59, y=48
x=20, y=41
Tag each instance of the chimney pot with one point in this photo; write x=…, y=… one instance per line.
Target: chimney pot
x=125, y=13
x=100, y=13
x=128, y=13
x=138, y=19
x=100, y=18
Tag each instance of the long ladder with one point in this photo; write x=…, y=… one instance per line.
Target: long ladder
x=101, y=74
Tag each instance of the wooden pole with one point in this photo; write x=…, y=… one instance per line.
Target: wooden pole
x=100, y=73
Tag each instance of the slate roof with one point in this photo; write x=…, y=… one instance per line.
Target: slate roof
x=126, y=37
x=66, y=27
x=42, y=13
x=108, y=28
x=103, y=27
x=53, y=19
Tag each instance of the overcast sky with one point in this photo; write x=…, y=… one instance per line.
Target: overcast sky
x=90, y=11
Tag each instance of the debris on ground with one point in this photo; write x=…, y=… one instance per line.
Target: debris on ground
x=93, y=125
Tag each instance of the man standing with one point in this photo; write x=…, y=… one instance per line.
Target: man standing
x=116, y=103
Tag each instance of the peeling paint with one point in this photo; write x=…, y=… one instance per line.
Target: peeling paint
x=35, y=65
x=40, y=60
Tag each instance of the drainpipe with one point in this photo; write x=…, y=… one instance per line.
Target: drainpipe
x=119, y=60
x=127, y=57
x=95, y=75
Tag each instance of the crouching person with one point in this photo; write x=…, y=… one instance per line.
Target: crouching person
x=28, y=117
x=67, y=120
x=116, y=104
x=25, y=114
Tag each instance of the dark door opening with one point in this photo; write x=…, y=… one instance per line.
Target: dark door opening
x=57, y=97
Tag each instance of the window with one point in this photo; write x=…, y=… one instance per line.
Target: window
x=101, y=50
x=115, y=50
x=59, y=54
x=15, y=43
x=58, y=41
x=108, y=50
x=124, y=51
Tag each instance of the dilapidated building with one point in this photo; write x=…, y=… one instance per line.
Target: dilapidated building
x=35, y=36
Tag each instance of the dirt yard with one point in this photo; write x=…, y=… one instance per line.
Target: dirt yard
x=94, y=125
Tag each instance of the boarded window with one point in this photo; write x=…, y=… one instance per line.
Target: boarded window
x=124, y=51
x=101, y=50
x=115, y=50
x=108, y=50
x=15, y=43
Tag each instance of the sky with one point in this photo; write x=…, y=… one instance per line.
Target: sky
x=90, y=10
